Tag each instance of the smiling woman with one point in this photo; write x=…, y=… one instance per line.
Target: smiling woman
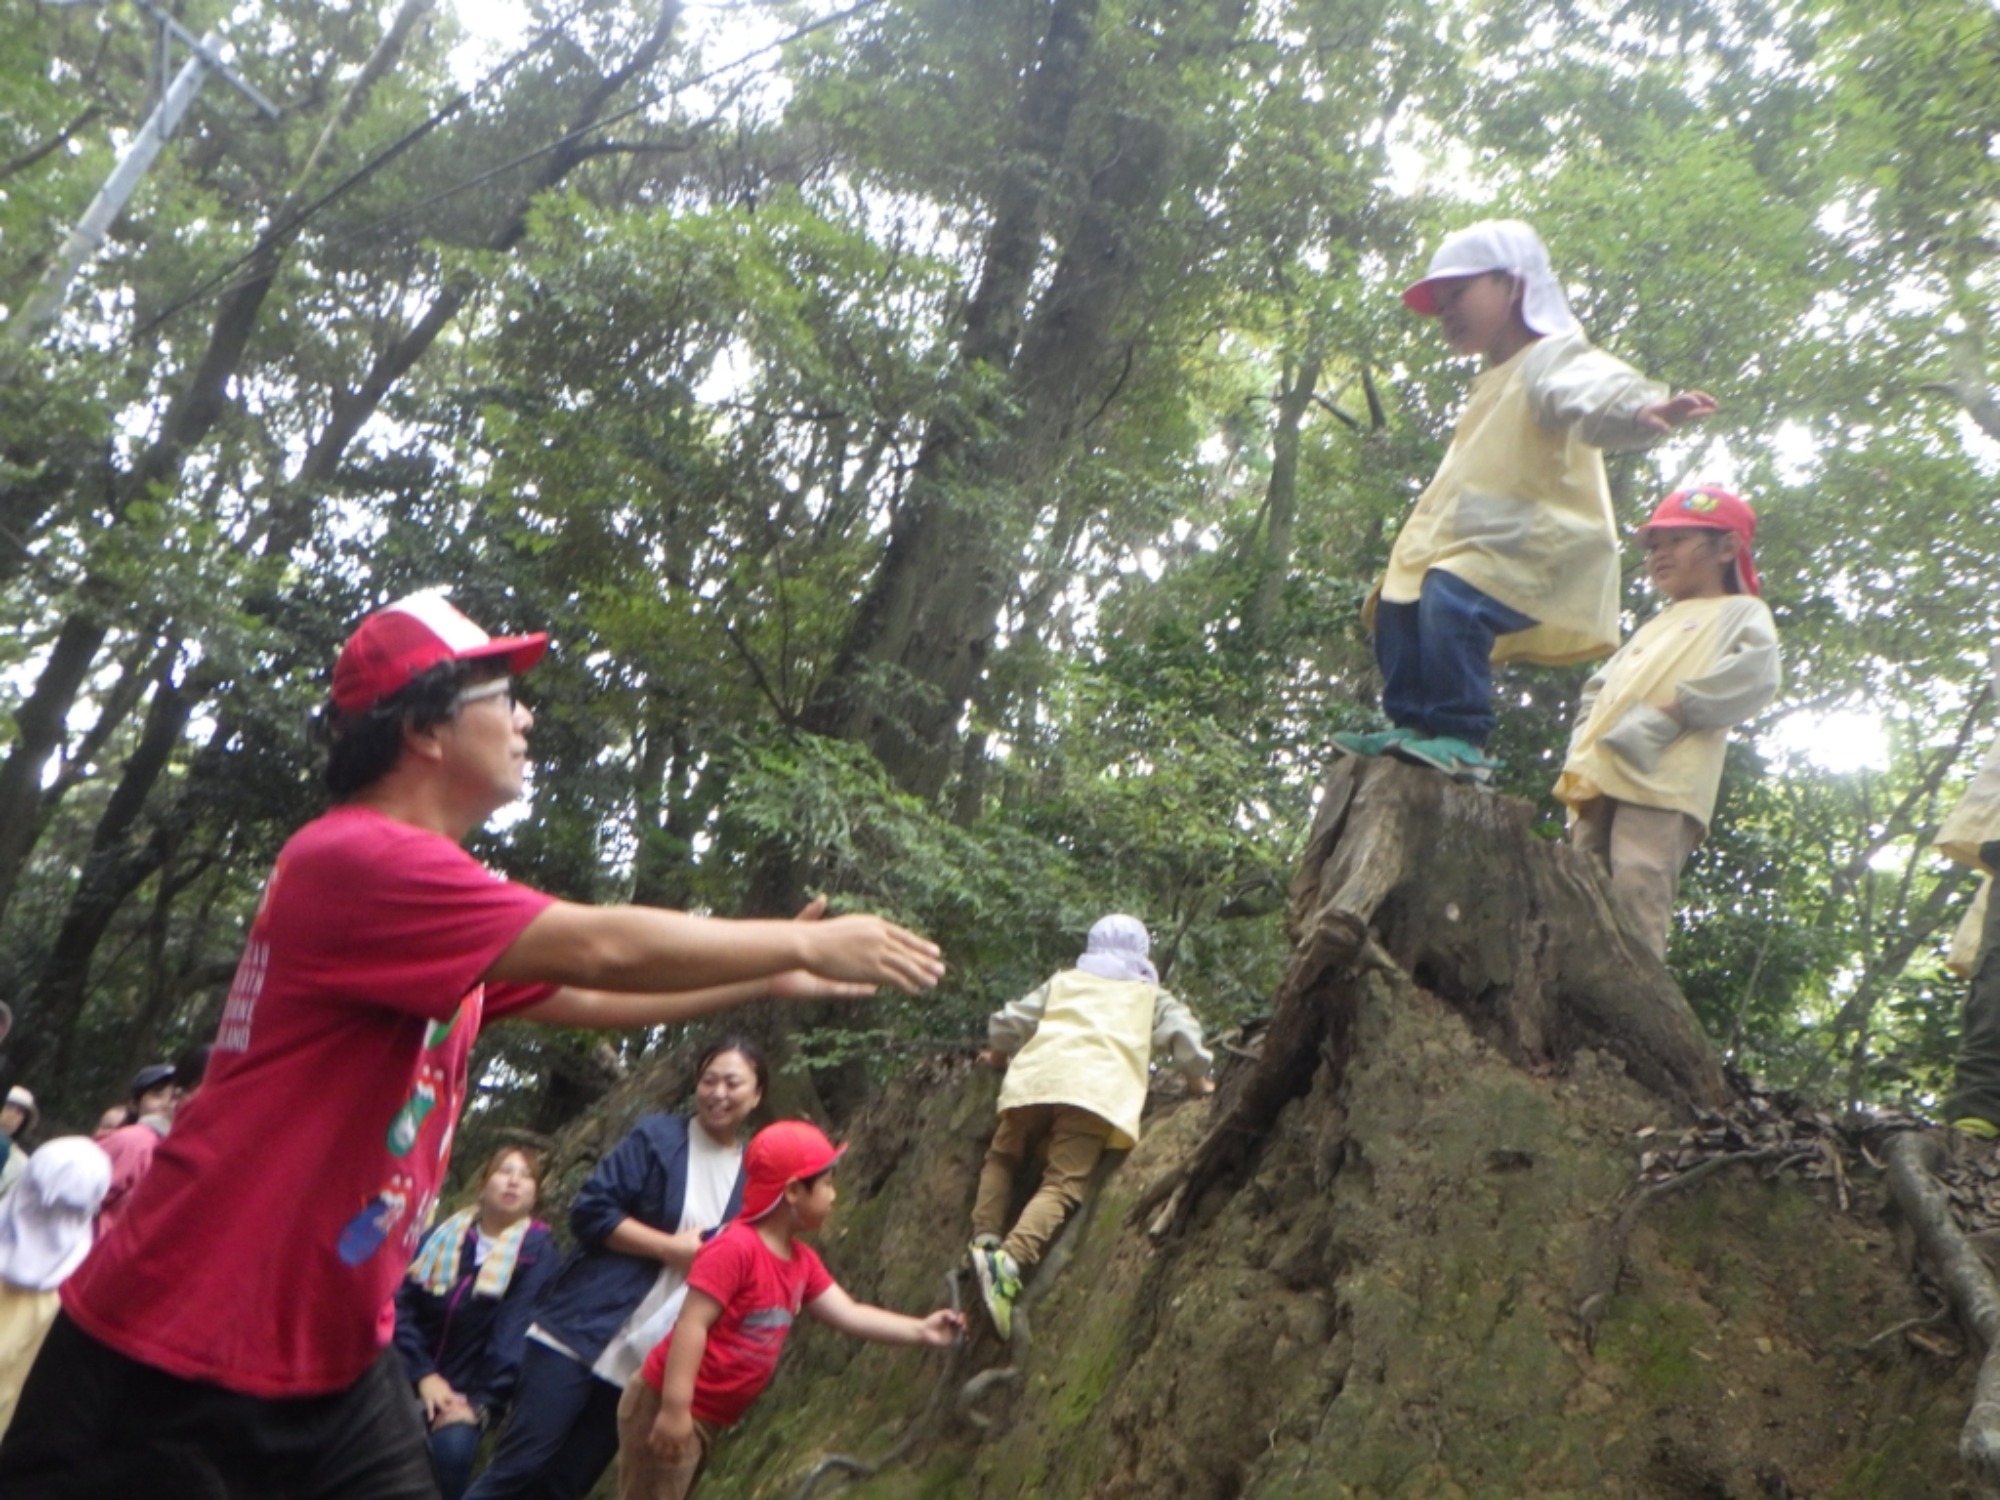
x=638, y=1222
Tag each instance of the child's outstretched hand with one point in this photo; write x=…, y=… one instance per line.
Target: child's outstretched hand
x=942, y=1328
x=1676, y=411
x=993, y=1057
x=1200, y=1087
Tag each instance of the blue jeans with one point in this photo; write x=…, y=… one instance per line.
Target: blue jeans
x=453, y=1448
x=560, y=1437
x=1436, y=657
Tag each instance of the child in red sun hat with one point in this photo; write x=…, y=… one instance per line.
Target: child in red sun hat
x=1645, y=758
x=744, y=1290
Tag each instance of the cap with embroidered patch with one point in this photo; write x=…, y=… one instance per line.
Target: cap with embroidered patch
x=400, y=641
x=1709, y=507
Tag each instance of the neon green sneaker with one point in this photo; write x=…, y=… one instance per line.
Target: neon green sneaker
x=999, y=1285
x=1978, y=1129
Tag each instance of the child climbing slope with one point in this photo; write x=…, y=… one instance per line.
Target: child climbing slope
x=743, y=1291
x=1080, y=1046
x=1509, y=553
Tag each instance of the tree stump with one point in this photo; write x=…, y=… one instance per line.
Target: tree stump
x=1411, y=878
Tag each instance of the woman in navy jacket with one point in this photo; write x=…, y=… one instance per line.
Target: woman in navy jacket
x=638, y=1222
x=462, y=1315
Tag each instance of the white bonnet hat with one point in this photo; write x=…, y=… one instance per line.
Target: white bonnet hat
x=45, y=1221
x=1117, y=949
x=1499, y=245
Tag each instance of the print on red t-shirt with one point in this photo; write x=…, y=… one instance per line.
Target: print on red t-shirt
x=262, y=1250
x=761, y=1296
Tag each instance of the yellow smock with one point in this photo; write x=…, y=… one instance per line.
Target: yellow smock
x=25, y=1319
x=1086, y=1041
x=1718, y=660
x=1520, y=508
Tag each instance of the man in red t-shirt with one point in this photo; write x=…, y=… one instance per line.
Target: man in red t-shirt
x=230, y=1336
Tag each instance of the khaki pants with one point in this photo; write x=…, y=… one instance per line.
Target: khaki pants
x=642, y=1476
x=1073, y=1139
x=1644, y=849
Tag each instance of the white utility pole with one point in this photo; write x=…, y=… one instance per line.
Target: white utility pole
x=87, y=237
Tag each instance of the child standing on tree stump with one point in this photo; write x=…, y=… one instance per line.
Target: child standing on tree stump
x=1510, y=552
x=1645, y=758
x=1080, y=1045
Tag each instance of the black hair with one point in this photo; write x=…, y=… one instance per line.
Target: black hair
x=362, y=746
x=809, y=1183
x=192, y=1066
x=752, y=1053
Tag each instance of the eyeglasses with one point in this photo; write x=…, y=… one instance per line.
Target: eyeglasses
x=500, y=687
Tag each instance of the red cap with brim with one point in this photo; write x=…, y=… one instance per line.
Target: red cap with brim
x=779, y=1155
x=1709, y=507
x=402, y=640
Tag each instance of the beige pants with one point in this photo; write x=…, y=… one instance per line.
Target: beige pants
x=1644, y=849
x=642, y=1476
x=1073, y=1139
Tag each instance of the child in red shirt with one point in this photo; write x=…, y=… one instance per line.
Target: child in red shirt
x=743, y=1291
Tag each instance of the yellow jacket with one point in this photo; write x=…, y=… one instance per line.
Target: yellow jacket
x=1085, y=1041
x=1520, y=508
x=1717, y=659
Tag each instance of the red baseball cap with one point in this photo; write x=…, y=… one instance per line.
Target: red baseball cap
x=1709, y=507
x=779, y=1155
x=411, y=636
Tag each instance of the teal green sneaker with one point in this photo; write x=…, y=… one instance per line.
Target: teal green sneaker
x=1457, y=759
x=1371, y=742
x=999, y=1285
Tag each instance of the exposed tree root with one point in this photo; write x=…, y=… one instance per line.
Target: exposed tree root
x=1968, y=1285
x=970, y=1392
x=925, y=1422
x=1605, y=1262
x=1021, y=1337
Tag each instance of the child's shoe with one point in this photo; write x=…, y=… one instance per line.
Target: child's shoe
x=1371, y=742
x=999, y=1285
x=1978, y=1129
x=1457, y=759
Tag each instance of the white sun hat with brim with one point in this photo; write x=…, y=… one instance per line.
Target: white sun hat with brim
x=1498, y=245
x=45, y=1221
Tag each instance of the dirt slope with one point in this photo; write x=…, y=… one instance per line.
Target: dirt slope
x=1379, y=1305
